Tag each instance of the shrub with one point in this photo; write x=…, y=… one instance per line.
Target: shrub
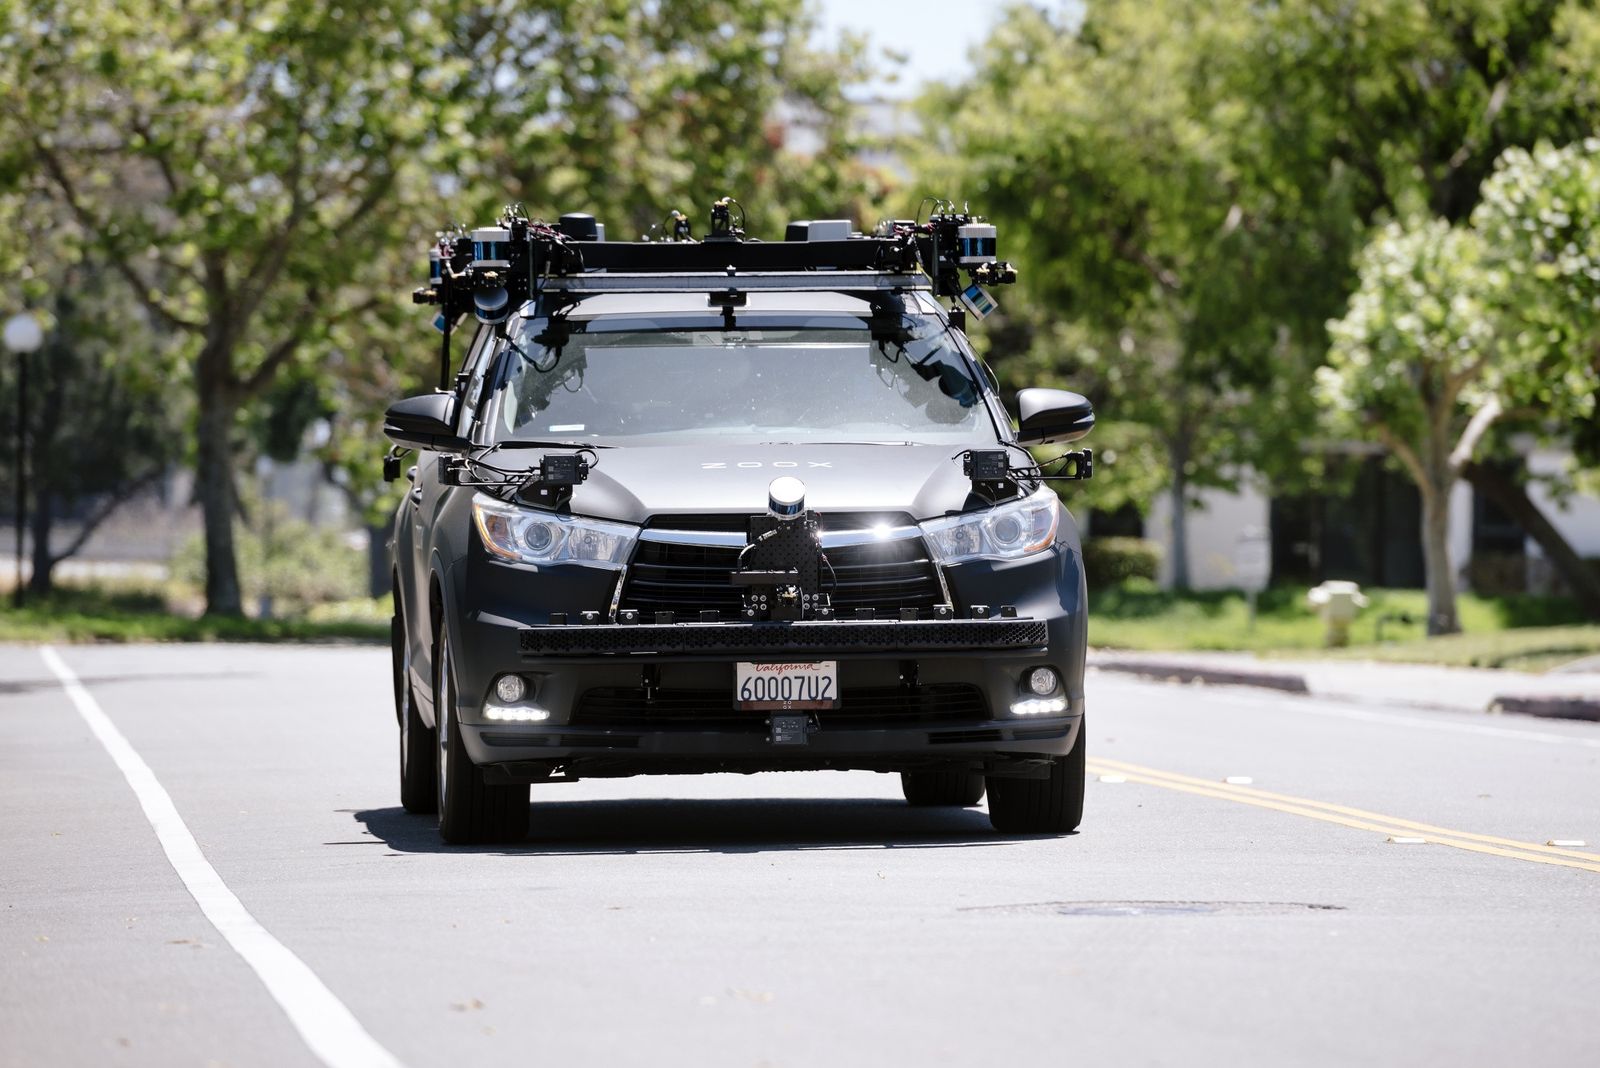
x=1497, y=574
x=285, y=559
x=1114, y=561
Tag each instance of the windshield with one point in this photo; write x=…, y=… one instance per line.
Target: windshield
x=900, y=382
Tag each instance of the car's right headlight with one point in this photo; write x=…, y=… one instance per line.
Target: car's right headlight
x=530, y=536
x=1005, y=532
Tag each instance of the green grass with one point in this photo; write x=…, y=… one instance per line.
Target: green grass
x=96, y=614
x=1526, y=649
x=1530, y=633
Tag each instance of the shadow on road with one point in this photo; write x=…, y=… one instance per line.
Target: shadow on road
x=746, y=825
x=40, y=683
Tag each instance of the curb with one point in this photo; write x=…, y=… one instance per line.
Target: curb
x=1172, y=671
x=1570, y=707
x=1580, y=708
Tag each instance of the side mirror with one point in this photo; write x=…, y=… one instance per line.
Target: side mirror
x=1046, y=416
x=424, y=423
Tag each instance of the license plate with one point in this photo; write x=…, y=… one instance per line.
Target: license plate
x=766, y=687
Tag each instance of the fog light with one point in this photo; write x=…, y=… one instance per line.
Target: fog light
x=498, y=714
x=1039, y=707
x=510, y=688
x=1042, y=681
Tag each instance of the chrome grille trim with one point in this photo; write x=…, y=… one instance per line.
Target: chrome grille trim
x=732, y=539
x=831, y=539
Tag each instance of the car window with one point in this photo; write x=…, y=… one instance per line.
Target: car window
x=907, y=382
x=477, y=365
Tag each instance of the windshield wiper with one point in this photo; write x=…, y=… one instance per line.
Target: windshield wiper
x=872, y=442
x=525, y=443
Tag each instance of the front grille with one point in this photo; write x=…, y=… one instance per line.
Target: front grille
x=888, y=575
x=715, y=710
x=726, y=639
x=964, y=737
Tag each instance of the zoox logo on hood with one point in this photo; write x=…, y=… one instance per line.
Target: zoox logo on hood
x=750, y=464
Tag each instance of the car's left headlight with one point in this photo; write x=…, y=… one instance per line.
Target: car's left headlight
x=1005, y=532
x=528, y=536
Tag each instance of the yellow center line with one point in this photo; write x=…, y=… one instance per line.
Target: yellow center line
x=1359, y=819
x=1119, y=765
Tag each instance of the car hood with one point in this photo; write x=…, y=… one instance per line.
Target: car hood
x=637, y=484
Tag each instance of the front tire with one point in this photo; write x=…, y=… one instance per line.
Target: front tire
x=419, y=778
x=953, y=787
x=1052, y=805
x=470, y=810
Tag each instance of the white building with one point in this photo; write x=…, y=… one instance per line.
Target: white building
x=1374, y=539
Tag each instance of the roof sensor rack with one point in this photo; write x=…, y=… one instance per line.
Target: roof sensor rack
x=493, y=271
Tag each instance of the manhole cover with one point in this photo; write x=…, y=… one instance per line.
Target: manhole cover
x=1158, y=908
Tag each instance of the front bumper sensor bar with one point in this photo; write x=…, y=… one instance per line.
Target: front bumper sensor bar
x=844, y=636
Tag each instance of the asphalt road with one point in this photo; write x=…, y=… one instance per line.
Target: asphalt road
x=796, y=919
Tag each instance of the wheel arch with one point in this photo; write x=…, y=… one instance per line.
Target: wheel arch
x=443, y=619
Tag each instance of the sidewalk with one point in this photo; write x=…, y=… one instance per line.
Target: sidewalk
x=1565, y=695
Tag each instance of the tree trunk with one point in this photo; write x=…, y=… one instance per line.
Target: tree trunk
x=1512, y=498
x=43, y=518
x=60, y=361
x=214, y=486
x=1441, y=579
x=1178, y=452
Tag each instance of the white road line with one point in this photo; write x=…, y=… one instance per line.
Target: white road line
x=1310, y=703
x=335, y=1036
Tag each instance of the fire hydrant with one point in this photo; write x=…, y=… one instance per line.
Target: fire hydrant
x=1338, y=603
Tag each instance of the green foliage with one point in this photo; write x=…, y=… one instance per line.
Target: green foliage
x=621, y=109
x=263, y=178
x=1167, y=268
x=1414, y=100
x=1454, y=328
x=250, y=175
x=101, y=422
x=1533, y=649
x=1136, y=615
x=1413, y=355
x=1414, y=364
x=234, y=166
x=1185, y=184
x=286, y=560
x=629, y=110
x=1497, y=572
x=95, y=614
x=1129, y=461
x=1540, y=224
x=375, y=611
x=1114, y=561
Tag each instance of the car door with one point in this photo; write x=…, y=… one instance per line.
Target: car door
x=425, y=498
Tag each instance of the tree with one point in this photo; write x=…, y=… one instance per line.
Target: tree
x=256, y=174
x=1418, y=98
x=1413, y=364
x=630, y=110
x=1455, y=330
x=102, y=428
x=1118, y=155
x=1539, y=218
x=1187, y=184
x=1418, y=101
x=242, y=170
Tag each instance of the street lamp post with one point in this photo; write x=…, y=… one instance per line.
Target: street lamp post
x=23, y=335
